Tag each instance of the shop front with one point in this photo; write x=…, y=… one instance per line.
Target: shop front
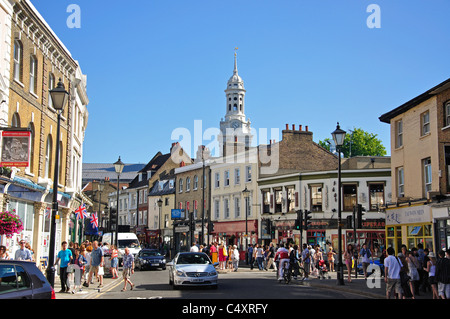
x=410, y=226
x=234, y=233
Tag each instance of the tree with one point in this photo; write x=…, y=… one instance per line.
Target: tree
x=358, y=142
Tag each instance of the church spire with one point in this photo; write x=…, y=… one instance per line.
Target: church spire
x=235, y=61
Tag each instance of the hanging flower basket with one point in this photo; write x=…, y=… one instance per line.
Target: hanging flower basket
x=10, y=224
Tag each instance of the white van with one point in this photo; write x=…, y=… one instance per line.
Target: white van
x=129, y=240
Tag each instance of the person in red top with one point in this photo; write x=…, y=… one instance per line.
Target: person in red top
x=282, y=254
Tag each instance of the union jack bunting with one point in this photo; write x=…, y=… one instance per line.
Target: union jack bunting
x=48, y=212
x=81, y=212
x=94, y=219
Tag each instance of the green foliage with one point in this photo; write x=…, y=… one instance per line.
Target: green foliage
x=359, y=143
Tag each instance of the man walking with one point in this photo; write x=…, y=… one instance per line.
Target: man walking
x=270, y=256
x=392, y=267
x=128, y=268
x=97, y=261
x=65, y=256
x=23, y=253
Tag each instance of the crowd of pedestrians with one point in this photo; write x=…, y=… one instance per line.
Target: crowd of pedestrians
x=415, y=271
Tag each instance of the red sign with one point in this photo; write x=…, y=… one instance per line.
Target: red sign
x=16, y=148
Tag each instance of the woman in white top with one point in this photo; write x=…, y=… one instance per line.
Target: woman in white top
x=431, y=269
x=412, y=271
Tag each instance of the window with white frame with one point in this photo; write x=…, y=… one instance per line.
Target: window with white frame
x=217, y=180
x=226, y=208
x=400, y=182
x=237, y=207
x=180, y=185
x=188, y=184
x=226, y=178
x=18, y=61
x=399, y=134
x=33, y=74
x=195, y=186
x=427, y=175
x=51, y=86
x=447, y=113
x=248, y=173
x=425, y=123
x=216, y=209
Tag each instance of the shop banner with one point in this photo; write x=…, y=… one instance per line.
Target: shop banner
x=16, y=148
x=408, y=215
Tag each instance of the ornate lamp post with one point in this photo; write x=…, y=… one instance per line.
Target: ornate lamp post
x=159, y=219
x=59, y=97
x=246, y=193
x=338, y=137
x=118, y=166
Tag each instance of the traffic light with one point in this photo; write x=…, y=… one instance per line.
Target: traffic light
x=191, y=222
x=307, y=219
x=210, y=227
x=272, y=228
x=298, y=221
x=360, y=213
x=349, y=221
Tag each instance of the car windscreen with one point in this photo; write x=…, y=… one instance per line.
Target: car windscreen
x=150, y=254
x=130, y=243
x=187, y=259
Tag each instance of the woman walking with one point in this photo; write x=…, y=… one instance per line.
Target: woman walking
x=431, y=270
x=114, y=262
x=348, y=257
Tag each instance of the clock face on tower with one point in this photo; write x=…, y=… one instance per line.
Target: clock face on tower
x=235, y=124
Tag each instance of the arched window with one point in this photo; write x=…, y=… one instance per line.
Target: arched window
x=51, y=86
x=18, y=60
x=48, y=157
x=33, y=74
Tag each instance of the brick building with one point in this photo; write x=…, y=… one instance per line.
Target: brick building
x=38, y=59
x=420, y=152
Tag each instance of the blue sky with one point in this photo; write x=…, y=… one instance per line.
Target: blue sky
x=157, y=65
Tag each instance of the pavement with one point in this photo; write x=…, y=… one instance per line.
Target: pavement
x=374, y=288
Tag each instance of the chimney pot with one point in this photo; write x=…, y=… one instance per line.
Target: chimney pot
x=306, y=128
x=300, y=128
x=293, y=127
x=287, y=126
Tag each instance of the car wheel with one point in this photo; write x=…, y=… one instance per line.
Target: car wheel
x=163, y=268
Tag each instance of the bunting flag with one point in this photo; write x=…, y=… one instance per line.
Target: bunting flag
x=81, y=212
x=94, y=220
x=48, y=212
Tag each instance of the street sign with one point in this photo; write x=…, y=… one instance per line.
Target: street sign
x=182, y=229
x=178, y=214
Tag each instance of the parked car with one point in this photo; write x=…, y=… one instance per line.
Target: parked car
x=23, y=280
x=150, y=258
x=192, y=269
x=374, y=265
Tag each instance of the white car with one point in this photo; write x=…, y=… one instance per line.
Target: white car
x=192, y=269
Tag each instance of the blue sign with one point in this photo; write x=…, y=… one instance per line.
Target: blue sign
x=178, y=214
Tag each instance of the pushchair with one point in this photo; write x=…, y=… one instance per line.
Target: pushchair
x=323, y=270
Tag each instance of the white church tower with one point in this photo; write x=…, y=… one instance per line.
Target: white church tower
x=235, y=128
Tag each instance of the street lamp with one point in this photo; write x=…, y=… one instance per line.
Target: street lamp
x=59, y=97
x=159, y=218
x=118, y=166
x=246, y=193
x=338, y=137
x=100, y=188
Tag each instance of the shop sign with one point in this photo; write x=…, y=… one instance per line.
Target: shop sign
x=178, y=214
x=408, y=215
x=16, y=148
